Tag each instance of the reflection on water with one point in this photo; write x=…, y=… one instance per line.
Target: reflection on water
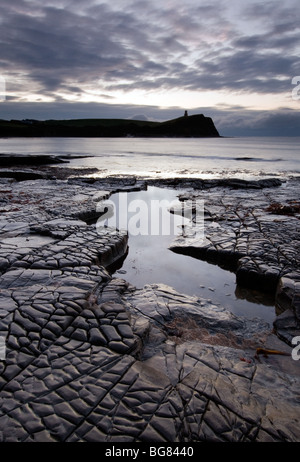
x=166, y=157
x=149, y=260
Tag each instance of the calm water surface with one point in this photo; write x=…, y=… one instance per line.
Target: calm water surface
x=149, y=260
x=165, y=157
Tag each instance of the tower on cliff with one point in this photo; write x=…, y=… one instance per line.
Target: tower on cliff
x=185, y=113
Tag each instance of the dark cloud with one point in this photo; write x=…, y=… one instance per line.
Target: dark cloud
x=241, y=122
x=60, y=47
x=249, y=70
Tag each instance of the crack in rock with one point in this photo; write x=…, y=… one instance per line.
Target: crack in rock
x=90, y=358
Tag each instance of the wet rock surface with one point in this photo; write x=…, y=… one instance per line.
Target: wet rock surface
x=87, y=357
x=255, y=233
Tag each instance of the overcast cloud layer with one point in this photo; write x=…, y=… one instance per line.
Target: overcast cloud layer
x=58, y=51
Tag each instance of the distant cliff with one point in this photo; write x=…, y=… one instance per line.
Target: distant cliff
x=188, y=126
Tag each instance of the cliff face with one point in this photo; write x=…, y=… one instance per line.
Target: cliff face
x=188, y=126
x=191, y=126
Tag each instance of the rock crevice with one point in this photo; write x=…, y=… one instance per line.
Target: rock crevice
x=90, y=358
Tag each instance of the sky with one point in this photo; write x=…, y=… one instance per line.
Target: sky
x=235, y=61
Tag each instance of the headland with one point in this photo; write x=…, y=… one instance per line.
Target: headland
x=187, y=126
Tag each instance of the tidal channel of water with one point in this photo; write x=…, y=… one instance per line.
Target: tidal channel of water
x=150, y=261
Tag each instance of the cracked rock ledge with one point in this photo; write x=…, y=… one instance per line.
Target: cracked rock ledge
x=87, y=357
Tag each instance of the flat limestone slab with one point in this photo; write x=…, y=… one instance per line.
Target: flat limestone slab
x=28, y=241
x=85, y=357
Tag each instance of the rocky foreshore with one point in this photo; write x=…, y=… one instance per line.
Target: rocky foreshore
x=85, y=356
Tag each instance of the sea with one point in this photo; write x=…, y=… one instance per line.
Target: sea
x=149, y=259
x=246, y=157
